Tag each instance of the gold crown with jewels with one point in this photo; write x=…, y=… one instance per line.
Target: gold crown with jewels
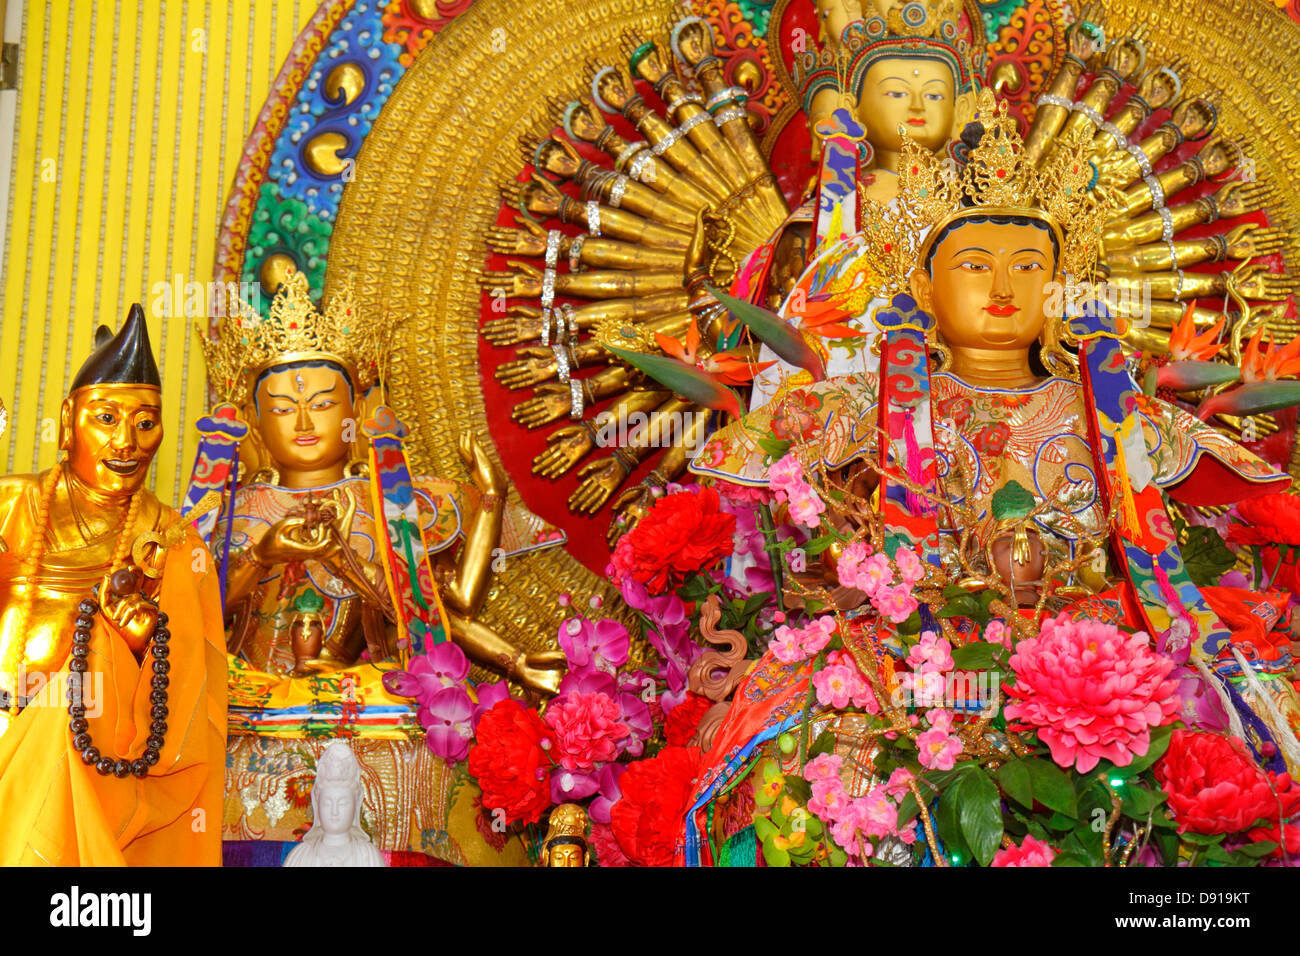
x=247, y=343
x=997, y=178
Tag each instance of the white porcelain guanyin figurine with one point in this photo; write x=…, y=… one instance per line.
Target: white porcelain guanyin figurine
x=336, y=837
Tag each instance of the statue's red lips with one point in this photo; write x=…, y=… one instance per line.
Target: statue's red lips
x=306, y=440
x=916, y=121
x=1001, y=309
x=121, y=466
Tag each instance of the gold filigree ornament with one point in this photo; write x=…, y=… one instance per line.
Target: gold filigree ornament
x=997, y=179
x=247, y=343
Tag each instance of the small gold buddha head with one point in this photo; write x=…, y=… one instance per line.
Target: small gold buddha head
x=988, y=278
x=566, y=838
x=911, y=94
x=111, y=422
x=305, y=411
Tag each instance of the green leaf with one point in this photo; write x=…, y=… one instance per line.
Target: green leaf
x=1051, y=786
x=824, y=744
x=908, y=808
x=964, y=606
x=912, y=625
x=1160, y=738
x=686, y=380
x=1254, y=851
x=976, y=656
x=1013, y=777
x=1012, y=501
x=980, y=814
x=783, y=338
x=1202, y=839
x=819, y=544
x=774, y=448
x=948, y=826
x=799, y=789
x=1137, y=802
x=1206, y=556
x=1070, y=859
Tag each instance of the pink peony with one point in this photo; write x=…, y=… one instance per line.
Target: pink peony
x=1091, y=691
x=1029, y=853
x=587, y=730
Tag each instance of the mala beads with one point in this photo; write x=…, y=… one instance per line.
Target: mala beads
x=121, y=583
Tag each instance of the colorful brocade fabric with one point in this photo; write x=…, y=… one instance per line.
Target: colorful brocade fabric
x=1035, y=436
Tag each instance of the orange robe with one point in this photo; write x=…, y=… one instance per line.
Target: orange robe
x=55, y=810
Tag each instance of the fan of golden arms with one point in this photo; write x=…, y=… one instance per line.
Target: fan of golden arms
x=247, y=343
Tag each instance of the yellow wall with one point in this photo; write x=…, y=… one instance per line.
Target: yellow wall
x=131, y=119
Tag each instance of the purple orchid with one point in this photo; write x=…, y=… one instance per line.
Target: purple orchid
x=570, y=785
x=445, y=665
x=447, y=723
x=608, y=793
x=602, y=644
x=489, y=695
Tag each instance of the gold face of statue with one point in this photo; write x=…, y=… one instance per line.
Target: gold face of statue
x=565, y=855
x=913, y=92
x=111, y=433
x=989, y=285
x=301, y=414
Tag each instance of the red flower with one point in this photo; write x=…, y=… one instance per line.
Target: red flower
x=607, y=850
x=650, y=817
x=1214, y=786
x=993, y=439
x=509, y=761
x=795, y=417
x=682, y=534
x=680, y=724
x=1269, y=519
x=1290, y=834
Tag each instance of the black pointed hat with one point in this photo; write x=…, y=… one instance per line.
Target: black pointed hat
x=122, y=359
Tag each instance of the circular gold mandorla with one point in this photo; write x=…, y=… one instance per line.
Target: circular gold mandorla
x=411, y=226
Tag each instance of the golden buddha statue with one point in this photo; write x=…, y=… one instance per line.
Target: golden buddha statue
x=566, y=838
x=965, y=451
x=307, y=588
x=103, y=605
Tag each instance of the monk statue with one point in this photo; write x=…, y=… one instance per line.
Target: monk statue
x=336, y=837
x=313, y=582
x=113, y=676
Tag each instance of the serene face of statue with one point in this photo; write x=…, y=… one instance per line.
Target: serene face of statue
x=111, y=433
x=302, y=413
x=913, y=92
x=989, y=285
x=336, y=806
x=565, y=855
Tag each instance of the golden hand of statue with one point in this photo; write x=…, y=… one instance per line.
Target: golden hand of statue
x=295, y=538
x=600, y=479
x=631, y=505
x=1082, y=38
x=565, y=448
x=551, y=401
x=1251, y=239
x=528, y=241
x=521, y=323
x=485, y=473
x=1238, y=198
x=1254, y=281
x=132, y=616
x=533, y=365
x=524, y=282
x=541, y=671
